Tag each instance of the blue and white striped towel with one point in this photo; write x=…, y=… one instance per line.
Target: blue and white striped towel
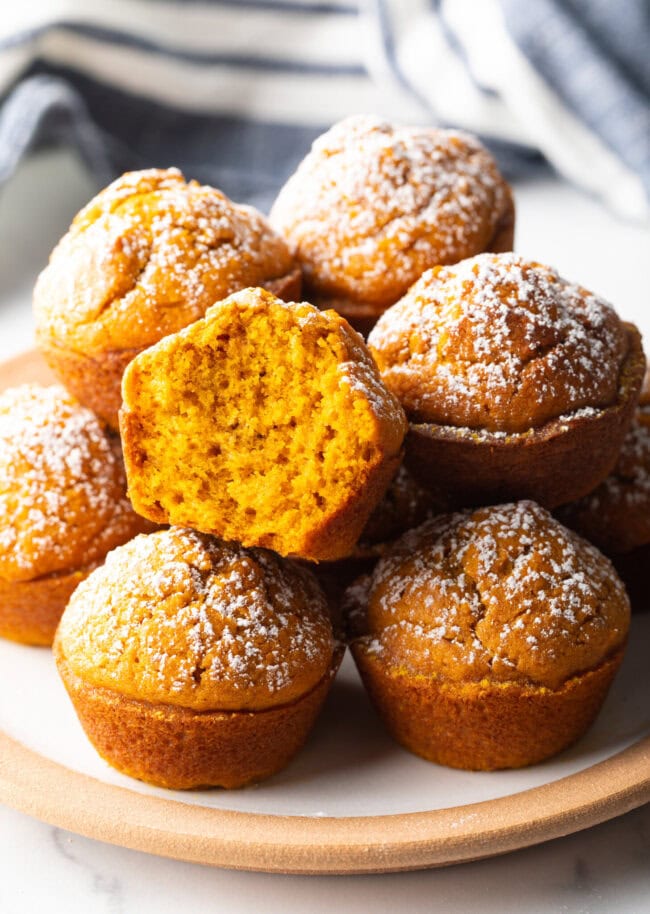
x=233, y=91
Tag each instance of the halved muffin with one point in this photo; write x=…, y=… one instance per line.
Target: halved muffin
x=265, y=423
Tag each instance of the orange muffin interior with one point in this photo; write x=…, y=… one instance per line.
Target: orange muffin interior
x=260, y=424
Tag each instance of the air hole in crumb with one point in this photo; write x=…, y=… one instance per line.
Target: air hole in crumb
x=197, y=672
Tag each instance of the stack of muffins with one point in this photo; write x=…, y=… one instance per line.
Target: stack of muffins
x=290, y=485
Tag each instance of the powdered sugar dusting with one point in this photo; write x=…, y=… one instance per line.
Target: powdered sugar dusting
x=374, y=205
x=62, y=484
x=501, y=344
x=504, y=592
x=188, y=620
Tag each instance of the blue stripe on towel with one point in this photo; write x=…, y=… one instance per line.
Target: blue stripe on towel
x=117, y=131
x=388, y=42
x=592, y=54
x=195, y=57
x=458, y=48
x=247, y=159
x=319, y=9
x=576, y=62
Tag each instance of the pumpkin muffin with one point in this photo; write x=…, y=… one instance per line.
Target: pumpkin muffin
x=489, y=639
x=516, y=382
x=373, y=206
x=144, y=258
x=265, y=423
x=192, y=662
x=63, y=505
x=616, y=515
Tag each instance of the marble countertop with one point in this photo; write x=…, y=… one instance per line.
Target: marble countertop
x=600, y=871
x=604, y=869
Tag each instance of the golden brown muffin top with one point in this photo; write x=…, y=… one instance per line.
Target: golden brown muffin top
x=501, y=344
x=147, y=256
x=63, y=501
x=374, y=205
x=277, y=415
x=616, y=515
x=502, y=593
x=184, y=619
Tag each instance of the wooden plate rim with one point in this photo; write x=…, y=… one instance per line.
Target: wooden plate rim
x=69, y=799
